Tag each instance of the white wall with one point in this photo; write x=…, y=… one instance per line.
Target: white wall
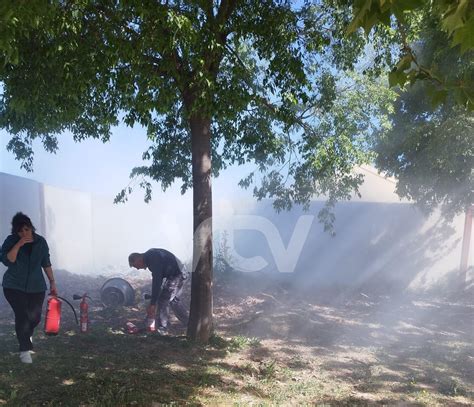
x=378, y=237
x=120, y=229
x=68, y=229
x=19, y=194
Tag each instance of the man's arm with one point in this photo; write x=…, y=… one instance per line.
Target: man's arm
x=156, y=287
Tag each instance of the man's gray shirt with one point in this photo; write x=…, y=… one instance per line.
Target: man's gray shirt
x=162, y=264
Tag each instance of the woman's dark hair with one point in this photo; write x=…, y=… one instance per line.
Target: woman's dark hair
x=20, y=220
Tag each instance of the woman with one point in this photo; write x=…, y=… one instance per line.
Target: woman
x=26, y=253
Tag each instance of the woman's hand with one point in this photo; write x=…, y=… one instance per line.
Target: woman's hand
x=52, y=289
x=24, y=240
x=13, y=253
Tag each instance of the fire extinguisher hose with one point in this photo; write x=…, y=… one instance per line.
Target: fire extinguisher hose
x=73, y=310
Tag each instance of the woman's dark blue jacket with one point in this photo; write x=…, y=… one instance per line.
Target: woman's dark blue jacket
x=26, y=273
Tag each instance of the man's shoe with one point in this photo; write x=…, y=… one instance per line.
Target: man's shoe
x=162, y=331
x=25, y=357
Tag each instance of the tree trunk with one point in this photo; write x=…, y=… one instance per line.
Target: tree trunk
x=200, y=319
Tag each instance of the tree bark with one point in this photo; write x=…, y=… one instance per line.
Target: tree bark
x=200, y=319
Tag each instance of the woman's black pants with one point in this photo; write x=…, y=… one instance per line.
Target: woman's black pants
x=27, y=308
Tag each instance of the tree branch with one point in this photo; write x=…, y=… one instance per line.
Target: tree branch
x=226, y=8
x=409, y=51
x=173, y=55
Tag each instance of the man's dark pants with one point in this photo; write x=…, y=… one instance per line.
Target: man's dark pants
x=27, y=308
x=169, y=296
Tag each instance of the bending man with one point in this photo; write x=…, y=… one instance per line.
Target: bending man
x=163, y=266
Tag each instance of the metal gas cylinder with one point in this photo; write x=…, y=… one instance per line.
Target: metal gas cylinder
x=117, y=291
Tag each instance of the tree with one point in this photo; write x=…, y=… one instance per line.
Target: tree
x=236, y=80
x=431, y=150
x=452, y=18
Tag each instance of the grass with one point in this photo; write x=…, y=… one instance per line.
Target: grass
x=234, y=344
x=268, y=370
x=107, y=367
x=100, y=368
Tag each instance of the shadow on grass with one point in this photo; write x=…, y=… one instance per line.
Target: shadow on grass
x=107, y=367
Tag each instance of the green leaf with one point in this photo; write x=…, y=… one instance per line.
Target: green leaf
x=407, y=5
x=385, y=18
x=396, y=77
x=362, y=9
x=456, y=17
x=438, y=98
x=404, y=63
x=460, y=96
x=370, y=21
x=464, y=36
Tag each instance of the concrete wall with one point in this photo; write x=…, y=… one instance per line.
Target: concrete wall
x=63, y=217
x=379, y=239
x=390, y=244
x=19, y=194
x=119, y=230
x=69, y=229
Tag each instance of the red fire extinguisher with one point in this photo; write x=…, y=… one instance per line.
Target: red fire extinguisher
x=52, y=320
x=84, y=314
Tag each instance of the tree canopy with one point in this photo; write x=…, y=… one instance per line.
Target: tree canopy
x=453, y=18
x=261, y=70
x=430, y=150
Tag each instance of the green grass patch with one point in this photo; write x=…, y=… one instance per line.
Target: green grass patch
x=234, y=344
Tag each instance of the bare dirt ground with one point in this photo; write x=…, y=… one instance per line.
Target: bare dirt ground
x=324, y=346
x=378, y=348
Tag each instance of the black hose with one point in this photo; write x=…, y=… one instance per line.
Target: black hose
x=73, y=310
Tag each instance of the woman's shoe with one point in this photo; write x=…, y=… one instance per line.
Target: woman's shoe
x=25, y=357
x=31, y=350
